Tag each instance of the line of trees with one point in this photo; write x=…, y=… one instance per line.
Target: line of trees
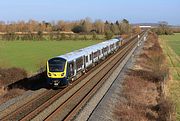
x=35, y=30
x=163, y=29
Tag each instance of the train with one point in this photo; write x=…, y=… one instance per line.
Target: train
x=63, y=69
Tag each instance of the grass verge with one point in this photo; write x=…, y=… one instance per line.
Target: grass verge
x=173, y=60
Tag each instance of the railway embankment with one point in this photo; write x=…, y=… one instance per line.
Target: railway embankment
x=9, y=76
x=143, y=96
x=14, y=82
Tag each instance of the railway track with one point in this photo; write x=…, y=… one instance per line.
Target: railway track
x=68, y=110
x=68, y=101
x=61, y=113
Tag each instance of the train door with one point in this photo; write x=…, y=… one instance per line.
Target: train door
x=90, y=58
x=71, y=70
x=87, y=60
x=84, y=59
x=99, y=54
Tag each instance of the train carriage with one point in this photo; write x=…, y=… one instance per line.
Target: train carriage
x=62, y=69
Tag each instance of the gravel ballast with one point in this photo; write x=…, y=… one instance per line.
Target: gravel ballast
x=14, y=103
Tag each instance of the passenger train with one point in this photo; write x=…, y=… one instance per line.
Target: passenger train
x=65, y=68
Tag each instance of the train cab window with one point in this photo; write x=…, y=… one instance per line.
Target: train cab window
x=56, y=64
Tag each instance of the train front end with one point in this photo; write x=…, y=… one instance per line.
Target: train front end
x=56, y=72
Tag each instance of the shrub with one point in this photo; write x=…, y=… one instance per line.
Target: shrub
x=94, y=35
x=166, y=110
x=108, y=35
x=78, y=29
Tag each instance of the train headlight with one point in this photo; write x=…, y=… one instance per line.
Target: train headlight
x=49, y=74
x=62, y=74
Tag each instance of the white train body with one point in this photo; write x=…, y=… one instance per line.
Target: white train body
x=63, y=68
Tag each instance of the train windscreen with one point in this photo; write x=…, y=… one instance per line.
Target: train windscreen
x=56, y=65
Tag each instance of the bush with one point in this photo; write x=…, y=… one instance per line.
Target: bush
x=85, y=37
x=166, y=109
x=108, y=35
x=63, y=36
x=78, y=29
x=94, y=35
x=40, y=35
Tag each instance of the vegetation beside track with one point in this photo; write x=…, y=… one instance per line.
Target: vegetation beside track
x=143, y=96
x=31, y=55
x=171, y=48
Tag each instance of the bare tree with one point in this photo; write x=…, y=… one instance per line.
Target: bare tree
x=99, y=26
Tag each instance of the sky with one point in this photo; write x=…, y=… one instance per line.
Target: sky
x=136, y=11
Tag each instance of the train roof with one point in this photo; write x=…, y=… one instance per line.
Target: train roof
x=87, y=50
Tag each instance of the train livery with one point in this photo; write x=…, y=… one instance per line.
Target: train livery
x=65, y=68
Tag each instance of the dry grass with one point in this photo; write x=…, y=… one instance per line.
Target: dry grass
x=8, y=76
x=140, y=100
x=166, y=109
x=11, y=75
x=143, y=87
x=2, y=91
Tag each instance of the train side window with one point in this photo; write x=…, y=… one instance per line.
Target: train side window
x=95, y=54
x=117, y=44
x=106, y=49
x=111, y=46
x=86, y=59
x=99, y=52
x=79, y=62
x=90, y=56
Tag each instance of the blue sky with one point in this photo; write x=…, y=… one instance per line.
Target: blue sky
x=135, y=11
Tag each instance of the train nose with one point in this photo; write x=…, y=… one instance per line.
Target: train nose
x=56, y=82
x=49, y=74
x=62, y=74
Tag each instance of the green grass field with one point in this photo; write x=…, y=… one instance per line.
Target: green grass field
x=171, y=48
x=174, y=42
x=30, y=55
